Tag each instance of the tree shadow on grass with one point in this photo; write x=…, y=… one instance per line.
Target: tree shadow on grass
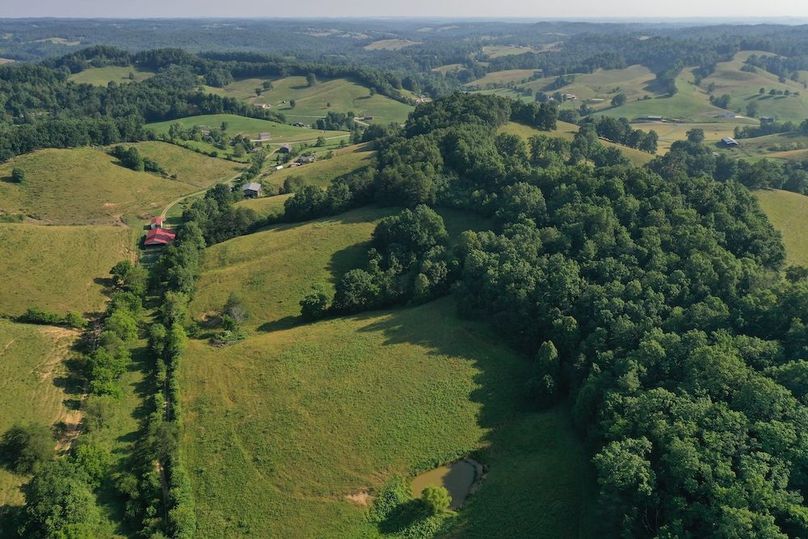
x=287, y=322
x=403, y=516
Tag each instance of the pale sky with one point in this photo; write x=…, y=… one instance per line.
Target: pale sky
x=405, y=8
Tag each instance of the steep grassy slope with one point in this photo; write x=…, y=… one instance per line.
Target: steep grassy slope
x=58, y=268
x=82, y=186
x=788, y=212
x=188, y=166
x=282, y=427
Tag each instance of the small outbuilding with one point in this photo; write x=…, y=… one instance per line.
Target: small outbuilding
x=730, y=142
x=285, y=148
x=306, y=159
x=156, y=222
x=252, y=190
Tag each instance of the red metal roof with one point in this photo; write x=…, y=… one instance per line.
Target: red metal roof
x=158, y=220
x=159, y=236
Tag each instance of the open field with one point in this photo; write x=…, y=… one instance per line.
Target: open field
x=390, y=44
x=670, y=132
x=324, y=171
x=567, y=132
x=102, y=76
x=691, y=103
x=189, y=167
x=83, y=186
x=744, y=87
x=788, y=212
x=498, y=51
x=274, y=268
x=265, y=206
x=448, y=68
x=58, y=268
x=502, y=77
x=251, y=127
x=31, y=364
x=280, y=428
x=313, y=102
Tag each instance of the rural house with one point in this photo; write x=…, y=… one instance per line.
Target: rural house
x=252, y=190
x=729, y=141
x=159, y=237
x=306, y=159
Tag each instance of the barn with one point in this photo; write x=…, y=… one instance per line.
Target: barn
x=158, y=237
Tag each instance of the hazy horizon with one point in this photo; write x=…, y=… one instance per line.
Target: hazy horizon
x=625, y=10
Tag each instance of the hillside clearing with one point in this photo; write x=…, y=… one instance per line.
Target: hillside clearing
x=296, y=420
x=390, y=44
x=788, y=212
x=82, y=186
x=102, y=76
x=58, y=268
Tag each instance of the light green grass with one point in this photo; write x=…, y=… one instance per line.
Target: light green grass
x=324, y=171
x=275, y=268
x=31, y=363
x=189, y=167
x=502, y=77
x=448, y=68
x=788, y=212
x=58, y=268
x=670, y=132
x=82, y=186
x=251, y=127
x=743, y=87
x=690, y=103
x=280, y=428
x=266, y=206
x=102, y=76
x=498, y=51
x=390, y=44
x=312, y=103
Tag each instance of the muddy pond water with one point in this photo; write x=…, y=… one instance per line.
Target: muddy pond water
x=458, y=478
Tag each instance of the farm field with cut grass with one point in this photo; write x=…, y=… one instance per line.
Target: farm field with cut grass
x=390, y=44
x=102, y=76
x=281, y=428
x=691, y=103
x=265, y=206
x=82, y=186
x=251, y=127
x=744, y=87
x=502, y=77
x=273, y=269
x=312, y=102
x=448, y=68
x=58, y=268
x=31, y=367
x=788, y=212
x=670, y=132
x=324, y=171
x=189, y=167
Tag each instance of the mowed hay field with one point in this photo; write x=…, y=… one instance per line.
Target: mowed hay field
x=189, y=167
x=743, y=87
x=324, y=171
x=31, y=362
x=788, y=212
x=390, y=44
x=102, y=76
x=266, y=206
x=312, y=102
x=282, y=427
x=275, y=268
x=82, y=186
x=58, y=268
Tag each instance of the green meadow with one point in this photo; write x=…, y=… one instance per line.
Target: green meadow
x=788, y=213
x=102, y=76
x=313, y=102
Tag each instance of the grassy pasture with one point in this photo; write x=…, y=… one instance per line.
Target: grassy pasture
x=31, y=362
x=670, y=132
x=324, y=171
x=744, y=86
x=691, y=103
x=83, y=186
x=188, y=166
x=502, y=77
x=788, y=212
x=448, y=68
x=390, y=44
x=102, y=76
x=312, y=102
x=498, y=51
x=58, y=268
x=282, y=427
x=266, y=206
x=251, y=127
x=274, y=268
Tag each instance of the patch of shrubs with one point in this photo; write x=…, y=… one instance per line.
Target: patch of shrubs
x=39, y=316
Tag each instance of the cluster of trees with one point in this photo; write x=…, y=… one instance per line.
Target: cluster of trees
x=619, y=130
x=336, y=121
x=130, y=158
x=654, y=298
x=34, y=315
x=692, y=158
x=217, y=218
x=768, y=128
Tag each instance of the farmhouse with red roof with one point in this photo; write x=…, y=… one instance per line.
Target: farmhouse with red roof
x=159, y=236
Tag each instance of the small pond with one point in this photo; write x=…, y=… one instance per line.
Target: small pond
x=458, y=478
